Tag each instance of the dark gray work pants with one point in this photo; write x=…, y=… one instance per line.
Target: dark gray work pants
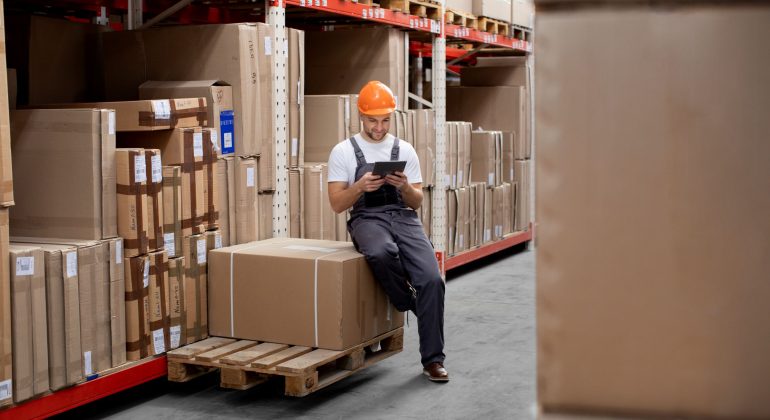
x=397, y=250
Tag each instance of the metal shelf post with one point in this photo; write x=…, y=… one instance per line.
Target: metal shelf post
x=276, y=17
x=438, y=211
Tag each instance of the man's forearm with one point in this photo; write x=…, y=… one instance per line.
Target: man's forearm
x=343, y=200
x=412, y=196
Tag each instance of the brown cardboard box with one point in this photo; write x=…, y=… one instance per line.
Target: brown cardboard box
x=355, y=57
x=6, y=350
x=177, y=334
x=452, y=135
x=462, y=227
x=183, y=147
x=425, y=144
x=425, y=211
x=523, y=171
x=195, y=287
x=489, y=223
x=30, y=326
x=137, y=277
x=117, y=289
x=341, y=226
x=172, y=210
x=265, y=212
x=296, y=203
x=65, y=178
x=451, y=222
x=266, y=63
x=150, y=115
x=211, y=185
x=461, y=5
x=296, y=92
x=508, y=157
x=319, y=216
x=219, y=101
x=495, y=9
x=246, y=207
x=344, y=301
x=325, y=124
x=462, y=173
x=472, y=193
x=213, y=241
x=484, y=165
x=132, y=200
x=155, y=239
x=507, y=209
x=523, y=13
x=7, y=98
x=464, y=160
x=499, y=216
x=481, y=211
x=225, y=174
x=157, y=337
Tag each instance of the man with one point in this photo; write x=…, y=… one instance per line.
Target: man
x=383, y=222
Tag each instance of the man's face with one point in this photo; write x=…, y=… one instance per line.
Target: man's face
x=376, y=127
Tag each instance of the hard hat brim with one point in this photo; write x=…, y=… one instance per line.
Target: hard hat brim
x=377, y=112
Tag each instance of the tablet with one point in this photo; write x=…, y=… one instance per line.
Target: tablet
x=388, y=167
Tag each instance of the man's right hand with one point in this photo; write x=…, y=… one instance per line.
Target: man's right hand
x=369, y=182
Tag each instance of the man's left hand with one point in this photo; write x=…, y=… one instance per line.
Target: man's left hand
x=398, y=180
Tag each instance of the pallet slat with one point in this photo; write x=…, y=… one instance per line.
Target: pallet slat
x=223, y=351
x=189, y=351
x=280, y=357
x=244, y=357
x=309, y=361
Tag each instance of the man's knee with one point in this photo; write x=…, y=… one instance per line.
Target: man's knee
x=381, y=252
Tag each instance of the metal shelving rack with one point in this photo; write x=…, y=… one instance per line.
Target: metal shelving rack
x=143, y=371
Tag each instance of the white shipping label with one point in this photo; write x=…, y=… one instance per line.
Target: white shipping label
x=140, y=169
x=72, y=264
x=198, y=144
x=217, y=241
x=294, y=146
x=111, y=123
x=249, y=177
x=460, y=177
x=25, y=266
x=146, y=281
x=176, y=333
x=487, y=235
x=201, y=246
x=88, y=367
x=157, y=169
x=119, y=251
x=6, y=389
x=228, y=140
x=491, y=179
x=268, y=46
x=169, y=243
x=462, y=240
x=162, y=109
x=159, y=341
x=214, y=138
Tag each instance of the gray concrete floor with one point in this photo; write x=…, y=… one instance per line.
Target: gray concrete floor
x=490, y=347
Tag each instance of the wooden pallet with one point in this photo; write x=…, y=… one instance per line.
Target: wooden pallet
x=494, y=26
x=424, y=9
x=244, y=364
x=456, y=17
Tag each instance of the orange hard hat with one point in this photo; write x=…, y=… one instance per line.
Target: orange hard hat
x=376, y=99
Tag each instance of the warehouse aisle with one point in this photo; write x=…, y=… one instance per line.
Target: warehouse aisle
x=490, y=331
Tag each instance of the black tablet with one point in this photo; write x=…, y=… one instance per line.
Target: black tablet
x=388, y=167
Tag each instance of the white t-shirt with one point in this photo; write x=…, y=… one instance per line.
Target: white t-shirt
x=342, y=160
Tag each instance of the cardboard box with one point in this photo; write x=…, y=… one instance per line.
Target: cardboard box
x=117, y=290
x=523, y=172
x=285, y=292
x=265, y=212
x=157, y=337
x=341, y=226
x=30, y=325
x=507, y=209
x=132, y=200
x=464, y=153
x=354, y=123
x=246, y=207
x=185, y=147
x=484, y=152
x=224, y=170
x=154, y=171
x=213, y=241
x=177, y=334
x=172, y=210
x=355, y=57
x=7, y=98
x=195, y=287
x=472, y=216
x=6, y=350
x=425, y=212
x=211, y=185
x=489, y=223
x=481, y=211
x=319, y=216
x=452, y=134
x=296, y=92
x=462, y=227
x=460, y=5
x=219, y=101
x=266, y=63
x=508, y=157
x=326, y=123
x=65, y=179
x=425, y=144
x=523, y=13
x=137, y=275
x=495, y=9
x=451, y=222
x=296, y=203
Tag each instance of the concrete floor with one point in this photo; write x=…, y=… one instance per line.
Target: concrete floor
x=490, y=347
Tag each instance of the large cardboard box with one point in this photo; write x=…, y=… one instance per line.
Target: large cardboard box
x=481, y=211
x=425, y=144
x=157, y=337
x=296, y=203
x=656, y=315
x=265, y=212
x=489, y=212
x=297, y=291
x=132, y=200
x=426, y=210
x=7, y=99
x=508, y=157
x=485, y=146
x=246, y=207
x=296, y=92
x=267, y=83
x=495, y=9
x=6, y=349
x=326, y=124
x=65, y=178
x=155, y=239
x=30, y=325
x=319, y=216
x=451, y=221
x=460, y=5
x=464, y=130
x=150, y=115
x=452, y=134
x=117, y=287
x=523, y=203
x=195, y=287
x=213, y=241
x=472, y=215
x=172, y=210
x=219, y=102
x=137, y=276
x=176, y=309
x=354, y=57
x=523, y=13
x=211, y=183
x=224, y=170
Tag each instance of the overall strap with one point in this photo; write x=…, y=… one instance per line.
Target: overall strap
x=359, y=154
x=395, y=150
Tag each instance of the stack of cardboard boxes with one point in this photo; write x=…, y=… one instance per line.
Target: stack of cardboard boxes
x=517, y=12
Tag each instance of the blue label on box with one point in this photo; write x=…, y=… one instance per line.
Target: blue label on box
x=227, y=135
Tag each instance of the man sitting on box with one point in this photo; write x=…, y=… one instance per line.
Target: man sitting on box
x=383, y=223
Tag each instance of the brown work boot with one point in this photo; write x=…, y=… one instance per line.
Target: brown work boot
x=436, y=372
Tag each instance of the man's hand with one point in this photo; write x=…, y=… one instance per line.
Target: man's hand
x=398, y=180
x=369, y=182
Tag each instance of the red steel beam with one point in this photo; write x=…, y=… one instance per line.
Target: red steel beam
x=488, y=249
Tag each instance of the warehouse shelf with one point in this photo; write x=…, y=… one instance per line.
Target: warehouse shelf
x=371, y=13
x=122, y=378
x=473, y=35
x=469, y=256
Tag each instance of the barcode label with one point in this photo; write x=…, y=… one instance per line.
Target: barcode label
x=25, y=266
x=87, y=366
x=294, y=146
x=111, y=123
x=176, y=333
x=159, y=341
x=214, y=138
x=217, y=241
x=197, y=144
x=249, y=177
x=491, y=178
x=6, y=389
x=119, y=251
x=162, y=109
x=146, y=276
x=268, y=46
x=72, y=264
x=201, y=251
x=228, y=140
x=169, y=243
x=487, y=235
x=157, y=169
x=140, y=169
